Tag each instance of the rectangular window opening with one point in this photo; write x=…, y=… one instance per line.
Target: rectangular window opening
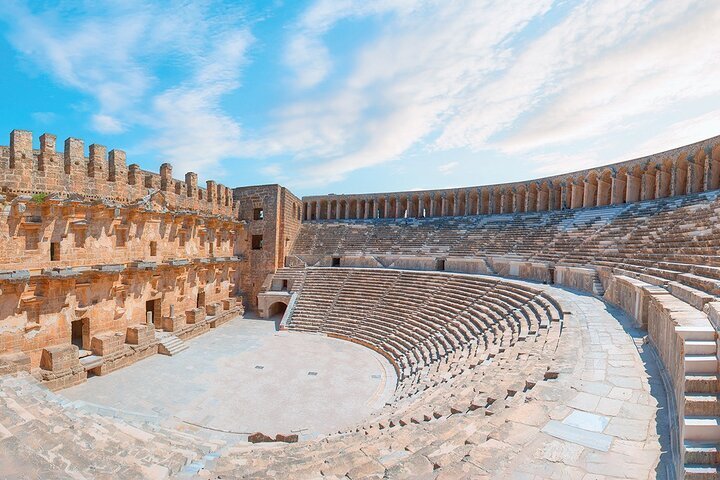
x=258, y=214
x=153, y=249
x=257, y=242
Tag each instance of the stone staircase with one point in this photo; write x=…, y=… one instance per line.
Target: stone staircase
x=597, y=287
x=170, y=344
x=701, y=423
x=44, y=435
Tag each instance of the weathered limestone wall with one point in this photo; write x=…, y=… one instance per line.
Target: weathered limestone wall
x=632, y=296
x=39, y=313
x=577, y=278
x=95, y=255
x=279, y=226
x=100, y=175
x=689, y=169
x=92, y=234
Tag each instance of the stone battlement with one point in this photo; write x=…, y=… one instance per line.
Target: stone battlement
x=681, y=171
x=102, y=174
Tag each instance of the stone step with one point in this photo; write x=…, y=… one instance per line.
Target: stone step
x=696, y=333
x=702, y=404
x=702, y=383
x=701, y=472
x=702, y=429
x=701, y=364
x=700, y=347
x=91, y=361
x=699, y=453
x=171, y=345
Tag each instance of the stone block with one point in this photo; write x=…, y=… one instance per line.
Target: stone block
x=107, y=343
x=141, y=334
x=196, y=315
x=229, y=303
x=14, y=362
x=259, y=437
x=174, y=323
x=213, y=309
x=59, y=358
x=292, y=438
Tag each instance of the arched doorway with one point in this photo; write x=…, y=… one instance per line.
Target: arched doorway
x=276, y=313
x=277, y=308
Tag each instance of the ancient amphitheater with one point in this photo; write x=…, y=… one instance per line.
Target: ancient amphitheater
x=564, y=327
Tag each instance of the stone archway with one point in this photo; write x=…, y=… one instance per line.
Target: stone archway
x=277, y=308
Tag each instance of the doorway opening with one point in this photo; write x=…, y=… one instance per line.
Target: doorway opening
x=201, y=299
x=152, y=311
x=80, y=333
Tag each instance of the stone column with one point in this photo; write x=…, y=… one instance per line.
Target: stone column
x=632, y=185
x=444, y=205
x=589, y=194
x=347, y=209
x=616, y=189
x=456, y=203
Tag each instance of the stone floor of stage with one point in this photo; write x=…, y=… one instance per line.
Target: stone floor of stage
x=246, y=377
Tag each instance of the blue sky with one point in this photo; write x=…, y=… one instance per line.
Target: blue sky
x=349, y=96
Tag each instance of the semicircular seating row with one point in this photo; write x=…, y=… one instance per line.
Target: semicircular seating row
x=668, y=238
x=667, y=247
x=419, y=319
x=471, y=351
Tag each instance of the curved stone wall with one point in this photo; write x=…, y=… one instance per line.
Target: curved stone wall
x=690, y=169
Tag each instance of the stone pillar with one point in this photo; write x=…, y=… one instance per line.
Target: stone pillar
x=616, y=190
x=338, y=211
x=166, y=177
x=210, y=189
x=347, y=209
x=632, y=185
x=432, y=206
x=117, y=171
x=97, y=161
x=74, y=156
x=577, y=195
x=456, y=203
x=191, y=180
x=398, y=207
x=366, y=214
x=386, y=211
x=444, y=205
x=48, y=144
x=648, y=185
x=21, y=155
x=589, y=194
x=135, y=175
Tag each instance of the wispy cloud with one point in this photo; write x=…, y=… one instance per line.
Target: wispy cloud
x=472, y=75
x=448, y=168
x=116, y=53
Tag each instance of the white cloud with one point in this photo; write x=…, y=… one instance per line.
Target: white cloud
x=113, y=54
x=44, y=117
x=106, y=124
x=470, y=75
x=448, y=168
x=404, y=84
x=194, y=134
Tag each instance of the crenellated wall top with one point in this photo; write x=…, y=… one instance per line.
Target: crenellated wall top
x=101, y=174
